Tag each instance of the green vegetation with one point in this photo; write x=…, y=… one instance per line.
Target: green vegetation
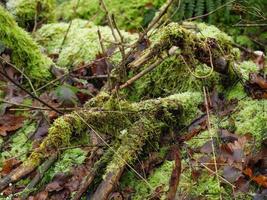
x=29, y=12
x=130, y=16
x=26, y=54
x=81, y=44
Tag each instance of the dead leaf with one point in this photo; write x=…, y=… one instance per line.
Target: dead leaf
x=9, y=123
x=9, y=165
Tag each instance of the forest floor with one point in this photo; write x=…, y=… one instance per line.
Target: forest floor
x=99, y=109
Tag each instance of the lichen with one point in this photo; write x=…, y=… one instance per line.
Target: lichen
x=129, y=16
x=26, y=54
x=27, y=12
x=81, y=44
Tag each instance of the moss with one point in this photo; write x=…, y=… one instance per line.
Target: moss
x=173, y=76
x=251, y=118
x=132, y=15
x=141, y=121
x=27, y=11
x=67, y=160
x=236, y=92
x=247, y=67
x=26, y=54
x=20, y=144
x=160, y=177
x=205, y=186
x=132, y=141
x=82, y=42
x=59, y=134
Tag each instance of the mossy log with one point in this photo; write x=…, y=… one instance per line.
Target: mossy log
x=26, y=53
x=129, y=125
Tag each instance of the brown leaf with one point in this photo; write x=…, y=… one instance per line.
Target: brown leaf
x=259, y=179
x=41, y=196
x=207, y=147
x=258, y=79
x=9, y=123
x=9, y=165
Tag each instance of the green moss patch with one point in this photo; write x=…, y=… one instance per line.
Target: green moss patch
x=81, y=44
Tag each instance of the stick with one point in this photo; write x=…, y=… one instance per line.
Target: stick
x=141, y=74
x=40, y=173
x=29, y=93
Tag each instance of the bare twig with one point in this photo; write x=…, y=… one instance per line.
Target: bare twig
x=70, y=24
x=141, y=74
x=101, y=41
x=4, y=61
x=249, y=25
x=40, y=173
x=209, y=13
x=212, y=143
x=29, y=93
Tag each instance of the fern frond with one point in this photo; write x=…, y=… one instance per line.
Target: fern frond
x=200, y=7
x=190, y=7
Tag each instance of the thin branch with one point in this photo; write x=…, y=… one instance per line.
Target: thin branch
x=29, y=93
x=209, y=13
x=4, y=61
x=141, y=74
x=249, y=25
x=212, y=142
x=70, y=24
x=100, y=41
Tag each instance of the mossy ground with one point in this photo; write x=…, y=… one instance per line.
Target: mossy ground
x=132, y=125
x=20, y=145
x=81, y=44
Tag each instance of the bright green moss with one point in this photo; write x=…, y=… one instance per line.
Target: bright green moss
x=251, y=118
x=67, y=160
x=160, y=177
x=59, y=135
x=236, y=92
x=26, y=54
x=27, y=11
x=82, y=42
x=171, y=77
x=20, y=144
x=130, y=15
x=212, y=32
x=247, y=67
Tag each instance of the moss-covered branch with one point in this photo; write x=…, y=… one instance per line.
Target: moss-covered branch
x=122, y=121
